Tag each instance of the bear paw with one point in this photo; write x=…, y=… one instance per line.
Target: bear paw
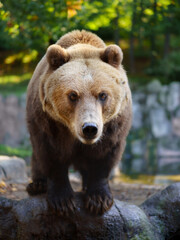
x=37, y=187
x=98, y=203
x=62, y=205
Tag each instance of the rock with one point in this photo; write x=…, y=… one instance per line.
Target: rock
x=14, y=169
x=22, y=100
x=137, y=165
x=156, y=219
x=1, y=174
x=151, y=101
x=115, y=172
x=137, y=147
x=165, y=152
x=139, y=97
x=163, y=95
x=169, y=166
x=30, y=217
x=137, y=116
x=13, y=129
x=173, y=100
x=169, y=143
x=176, y=126
x=154, y=86
x=163, y=210
x=160, y=125
x=178, y=112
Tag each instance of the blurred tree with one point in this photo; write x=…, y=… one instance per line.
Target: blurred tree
x=131, y=49
x=149, y=27
x=4, y=37
x=170, y=23
x=35, y=24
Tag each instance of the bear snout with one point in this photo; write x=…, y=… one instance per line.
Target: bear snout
x=89, y=130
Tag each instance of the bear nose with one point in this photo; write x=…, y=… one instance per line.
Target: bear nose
x=89, y=130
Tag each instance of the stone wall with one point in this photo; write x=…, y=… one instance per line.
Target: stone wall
x=13, y=131
x=153, y=143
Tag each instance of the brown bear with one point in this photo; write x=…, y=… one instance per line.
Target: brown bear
x=79, y=112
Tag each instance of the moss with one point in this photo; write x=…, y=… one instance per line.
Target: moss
x=141, y=236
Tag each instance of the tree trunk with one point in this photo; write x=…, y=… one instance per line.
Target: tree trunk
x=131, y=49
x=166, y=44
x=140, y=29
x=116, y=28
x=153, y=34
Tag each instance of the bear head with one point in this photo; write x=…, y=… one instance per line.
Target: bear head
x=84, y=88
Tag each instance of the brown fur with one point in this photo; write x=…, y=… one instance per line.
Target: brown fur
x=81, y=62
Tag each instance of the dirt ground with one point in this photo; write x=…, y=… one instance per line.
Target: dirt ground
x=132, y=193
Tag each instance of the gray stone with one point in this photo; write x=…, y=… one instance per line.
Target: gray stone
x=163, y=210
x=170, y=142
x=160, y=125
x=151, y=101
x=163, y=95
x=14, y=169
x=176, y=126
x=137, y=115
x=138, y=97
x=178, y=112
x=173, y=100
x=165, y=152
x=156, y=219
x=137, y=165
x=137, y=147
x=115, y=172
x=22, y=100
x=169, y=166
x=1, y=174
x=13, y=131
x=154, y=86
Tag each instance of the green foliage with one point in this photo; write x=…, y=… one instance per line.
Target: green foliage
x=149, y=27
x=168, y=68
x=20, y=151
x=16, y=84
x=34, y=24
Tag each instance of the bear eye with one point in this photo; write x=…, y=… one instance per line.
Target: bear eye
x=73, y=97
x=102, y=96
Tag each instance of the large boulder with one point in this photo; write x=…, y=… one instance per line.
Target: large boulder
x=13, y=169
x=157, y=218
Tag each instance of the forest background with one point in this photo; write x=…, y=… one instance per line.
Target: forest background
x=148, y=31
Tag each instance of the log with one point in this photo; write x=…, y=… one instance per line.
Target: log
x=158, y=218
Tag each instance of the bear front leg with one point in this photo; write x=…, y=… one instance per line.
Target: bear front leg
x=38, y=186
x=59, y=193
x=39, y=183
x=98, y=197
x=51, y=171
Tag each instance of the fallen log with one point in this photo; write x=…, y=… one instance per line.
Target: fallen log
x=158, y=218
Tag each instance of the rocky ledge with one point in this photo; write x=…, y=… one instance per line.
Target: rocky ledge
x=157, y=218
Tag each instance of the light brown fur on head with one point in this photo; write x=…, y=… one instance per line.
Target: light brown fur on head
x=82, y=37
x=87, y=71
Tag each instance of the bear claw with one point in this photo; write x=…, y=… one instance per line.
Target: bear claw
x=97, y=204
x=61, y=206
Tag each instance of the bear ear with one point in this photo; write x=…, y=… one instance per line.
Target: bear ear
x=56, y=56
x=112, y=55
